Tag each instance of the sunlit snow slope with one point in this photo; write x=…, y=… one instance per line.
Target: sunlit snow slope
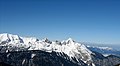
x=69, y=46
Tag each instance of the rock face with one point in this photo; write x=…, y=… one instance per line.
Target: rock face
x=24, y=51
x=41, y=58
x=37, y=58
x=4, y=64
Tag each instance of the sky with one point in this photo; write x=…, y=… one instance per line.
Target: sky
x=95, y=21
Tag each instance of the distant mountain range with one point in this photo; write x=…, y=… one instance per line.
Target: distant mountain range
x=29, y=51
x=106, y=51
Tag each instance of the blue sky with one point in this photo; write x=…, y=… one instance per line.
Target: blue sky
x=83, y=20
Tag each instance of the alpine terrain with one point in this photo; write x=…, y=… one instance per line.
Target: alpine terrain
x=29, y=51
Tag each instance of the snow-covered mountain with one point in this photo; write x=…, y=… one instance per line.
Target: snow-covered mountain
x=69, y=46
x=76, y=52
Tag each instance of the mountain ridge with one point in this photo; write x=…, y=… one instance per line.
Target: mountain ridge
x=68, y=49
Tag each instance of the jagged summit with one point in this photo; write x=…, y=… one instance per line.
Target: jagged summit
x=68, y=49
x=70, y=41
x=9, y=38
x=69, y=46
x=47, y=40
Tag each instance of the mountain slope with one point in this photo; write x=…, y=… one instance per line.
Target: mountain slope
x=69, y=47
x=35, y=58
x=69, y=50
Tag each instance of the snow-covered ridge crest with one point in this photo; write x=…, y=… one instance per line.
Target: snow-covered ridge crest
x=69, y=46
x=10, y=38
